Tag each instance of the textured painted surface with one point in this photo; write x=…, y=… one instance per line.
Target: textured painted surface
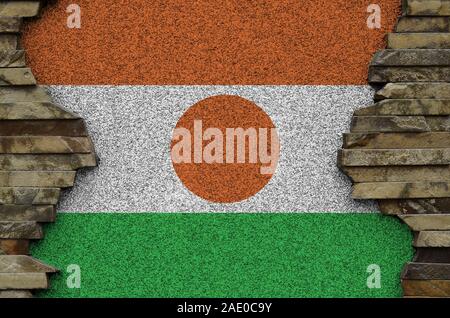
x=216, y=171
x=132, y=131
x=226, y=255
x=208, y=42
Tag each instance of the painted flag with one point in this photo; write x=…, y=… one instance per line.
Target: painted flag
x=170, y=212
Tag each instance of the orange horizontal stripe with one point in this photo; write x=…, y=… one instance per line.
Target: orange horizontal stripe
x=209, y=42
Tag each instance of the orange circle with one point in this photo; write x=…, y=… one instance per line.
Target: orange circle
x=219, y=151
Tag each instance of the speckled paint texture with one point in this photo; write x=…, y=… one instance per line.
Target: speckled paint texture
x=225, y=255
x=209, y=42
x=212, y=171
x=321, y=48
x=132, y=130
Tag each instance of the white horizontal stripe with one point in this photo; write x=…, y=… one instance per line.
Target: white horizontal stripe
x=132, y=127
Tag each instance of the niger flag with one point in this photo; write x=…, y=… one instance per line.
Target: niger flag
x=217, y=125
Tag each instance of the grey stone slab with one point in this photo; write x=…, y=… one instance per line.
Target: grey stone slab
x=428, y=7
x=423, y=57
x=414, y=90
x=12, y=58
x=23, y=281
x=427, y=222
x=46, y=162
x=407, y=107
x=44, y=144
x=16, y=76
x=29, y=196
x=432, y=239
x=401, y=190
x=398, y=173
x=389, y=124
x=9, y=42
x=15, y=294
x=19, y=213
x=34, y=110
x=10, y=24
x=423, y=24
x=385, y=74
x=20, y=230
x=418, y=41
x=411, y=124
x=23, y=264
x=44, y=179
x=23, y=94
x=20, y=8
x=396, y=140
x=394, y=157
x=415, y=206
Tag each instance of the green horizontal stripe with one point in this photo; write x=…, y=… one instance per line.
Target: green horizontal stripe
x=225, y=255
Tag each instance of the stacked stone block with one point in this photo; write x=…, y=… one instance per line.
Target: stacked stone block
x=41, y=147
x=398, y=150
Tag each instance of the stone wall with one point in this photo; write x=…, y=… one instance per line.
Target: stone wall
x=398, y=150
x=41, y=147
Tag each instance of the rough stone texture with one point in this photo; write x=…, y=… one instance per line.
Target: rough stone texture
x=419, y=41
x=423, y=24
x=382, y=74
x=41, y=144
x=23, y=264
x=47, y=144
x=34, y=110
x=10, y=24
x=47, y=162
x=36, y=213
x=12, y=58
x=389, y=124
x=44, y=179
x=407, y=107
x=29, y=196
x=432, y=239
x=73, y=127
x=426, y=271
x=394, y=140
x=397, y=151
x=8, y=42
x=23, y=281
x=414, y=91
x=15, y=294
x=427, y=222
x=23, y=272
x=398, y=173
x=23, y=94
x=424, y=57
x=20, y=230
x=415, y=206
x=429, y=288
x=428, y=7
x=400, y=124
x=394, y=157
x=14, y=247
x=16, y=76
x=401, y=190
x=20, y=8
